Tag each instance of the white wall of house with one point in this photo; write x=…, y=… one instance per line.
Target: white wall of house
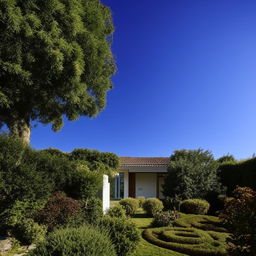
x=146, y=184
x=126, y=184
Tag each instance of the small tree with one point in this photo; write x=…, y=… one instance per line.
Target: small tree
x=191, y=174
x=55, y=60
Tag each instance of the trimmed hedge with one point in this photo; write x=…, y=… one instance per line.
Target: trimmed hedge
x=194, y=206
x=141, y=200
x=241, y=174
x=131, y=205
x=189, y=241
x=152, y=206
x=76, y=241
x=203, y=222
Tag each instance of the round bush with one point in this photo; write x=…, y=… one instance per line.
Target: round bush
x=76, y=241
x=123, y=233
x=131, y=205
x=194, y=206
x=58, y=210
x=165, y=219
x=141, y=200
x=152, y=205
x=117, y=211
x=92, y=209
x=28, y=232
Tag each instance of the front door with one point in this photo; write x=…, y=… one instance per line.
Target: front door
x=132, y=185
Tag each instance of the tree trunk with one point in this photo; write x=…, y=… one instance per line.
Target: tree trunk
x=21, y=129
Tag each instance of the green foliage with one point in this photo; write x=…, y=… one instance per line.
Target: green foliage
x=94, y=156
x=58, y=56
x=141, y=200
x=80, y=241
x=92, y=209
x=123, y=234
x=194, y=206
x=117, y=211
x=55, y=152
x=152, y=206
x=191, y=174
x=131, y=205
x=57, y=211
x=239, y=215
x=241, y=174
x=165, y=219
x=20, y=177
x=203, y=222
x=190, y=241
x=226, y=158
x=28, y=232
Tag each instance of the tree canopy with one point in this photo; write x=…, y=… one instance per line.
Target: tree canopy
x=55, y=61
x=191, y=174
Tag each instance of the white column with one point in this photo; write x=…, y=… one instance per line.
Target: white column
x=116, y=187
x=126, y=184
x=119, y=188
x=105, y=194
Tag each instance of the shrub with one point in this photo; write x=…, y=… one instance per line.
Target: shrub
x=117, y=211
x=192, y=174
x=76, y=241
x=131, y=205
x=165, y=219
x=194, y=206
x=123, y=234
x=141, y=200
x=239, y=215
x=27, y=231
x=153, y=206
x=57, y=211
x=20, y=178
x=92, y=209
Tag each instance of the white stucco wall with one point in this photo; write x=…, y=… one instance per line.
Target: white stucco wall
x=146, y=184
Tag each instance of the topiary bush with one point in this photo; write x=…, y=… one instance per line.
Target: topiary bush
x=28, y=232
x=123, y=234
x=57, y=210
x=194, y=206
x=117, y=211
x=189, y=241
x=131, y=205
x=80, y=241
x=165, y=219
x=141, y=200
x=152, y=206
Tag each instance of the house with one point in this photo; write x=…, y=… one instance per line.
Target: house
x=141, y=176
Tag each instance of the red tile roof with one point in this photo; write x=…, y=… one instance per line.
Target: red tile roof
x=143, y=161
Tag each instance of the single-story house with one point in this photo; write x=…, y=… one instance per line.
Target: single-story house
x=141, y=176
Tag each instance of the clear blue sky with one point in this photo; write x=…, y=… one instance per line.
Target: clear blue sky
x=186, y=79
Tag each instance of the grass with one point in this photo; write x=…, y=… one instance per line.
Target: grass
x=194, y=235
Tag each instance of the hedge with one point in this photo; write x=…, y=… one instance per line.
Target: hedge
x=242, y=174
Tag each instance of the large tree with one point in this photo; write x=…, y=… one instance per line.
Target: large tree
x=55, y=61
x=192, y=174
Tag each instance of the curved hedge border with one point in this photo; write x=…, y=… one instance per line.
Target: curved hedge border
x=190, y=241
x=204, y=222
